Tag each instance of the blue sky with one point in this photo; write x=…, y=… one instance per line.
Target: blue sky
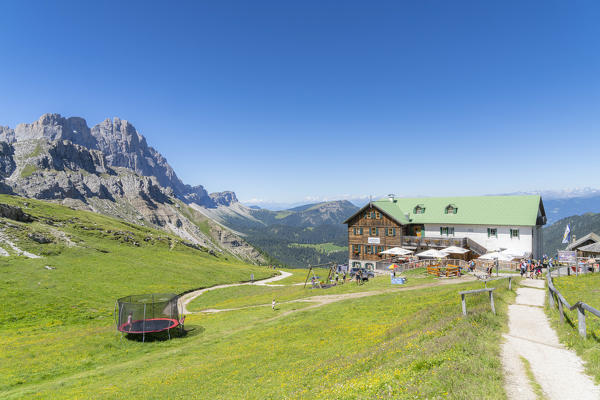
x=286, y=101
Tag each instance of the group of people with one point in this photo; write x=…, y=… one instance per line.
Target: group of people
x=533, y=268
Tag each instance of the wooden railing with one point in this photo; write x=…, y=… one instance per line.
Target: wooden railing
x=433, y=241
x=443, y=241
x=476, y=247
x=554, y=296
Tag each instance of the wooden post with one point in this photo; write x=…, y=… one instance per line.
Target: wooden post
x=560, y=310
x=464, y=304
x=551, y=298
x=492, y=302
x=510, y=283
x=581, y=321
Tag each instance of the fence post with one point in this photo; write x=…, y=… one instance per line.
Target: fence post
x=510, y=283
x=560, y=309
x=551, y=297
x=581, y=320
x=492, y=302
x=464, y=304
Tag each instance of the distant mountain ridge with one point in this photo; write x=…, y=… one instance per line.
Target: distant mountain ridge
x=110, y=169
x=284, y=234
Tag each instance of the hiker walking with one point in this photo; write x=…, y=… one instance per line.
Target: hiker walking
x=273, y=304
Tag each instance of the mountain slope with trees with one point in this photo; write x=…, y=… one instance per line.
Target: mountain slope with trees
x=581, y=225
x=283, y=234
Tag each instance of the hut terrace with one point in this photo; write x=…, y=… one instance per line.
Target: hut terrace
x=477, y=223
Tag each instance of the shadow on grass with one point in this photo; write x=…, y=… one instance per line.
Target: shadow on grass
x=190, y=331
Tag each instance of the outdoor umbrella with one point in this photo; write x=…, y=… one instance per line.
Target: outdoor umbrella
x=432, y=253
x=397, y=251
x=455, y=250
x=496, y=255
x=393, y=266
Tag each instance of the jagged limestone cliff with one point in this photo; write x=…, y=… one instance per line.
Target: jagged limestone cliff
x=110, y=169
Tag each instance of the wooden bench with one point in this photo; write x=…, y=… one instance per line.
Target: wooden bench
x=434, y=270
x=452, y=270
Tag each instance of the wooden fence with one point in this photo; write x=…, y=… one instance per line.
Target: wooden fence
x=554, y=296
x=383, y=265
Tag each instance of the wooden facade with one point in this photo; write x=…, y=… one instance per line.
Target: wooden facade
x=373, y=224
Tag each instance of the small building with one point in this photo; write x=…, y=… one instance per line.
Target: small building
x=590, y=250
x=478, y=223
x=577, y=244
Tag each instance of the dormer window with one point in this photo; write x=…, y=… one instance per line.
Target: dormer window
x=419, y=209
x=451, y=209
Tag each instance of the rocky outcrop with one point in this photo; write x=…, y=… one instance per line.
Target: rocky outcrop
x=224, y=198
x=14, y=213
x=110, y=168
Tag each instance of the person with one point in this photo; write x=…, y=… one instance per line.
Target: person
x=531, y=268
x=538, y=270
x=337, y=277
x=273, y=304
x=358, y=277
x=344, y=277
x=472, y=265
x=129, y=321
x=523, y=267
x=251, y=277
x=394, y=273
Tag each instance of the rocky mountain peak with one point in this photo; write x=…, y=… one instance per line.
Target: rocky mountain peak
x=224, y=198
x=122, y=146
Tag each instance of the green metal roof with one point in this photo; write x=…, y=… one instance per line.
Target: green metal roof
x=476, y=210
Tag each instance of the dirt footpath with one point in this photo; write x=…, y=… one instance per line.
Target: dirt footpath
x=557, y=370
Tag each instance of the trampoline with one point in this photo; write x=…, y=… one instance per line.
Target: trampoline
x=148, y=314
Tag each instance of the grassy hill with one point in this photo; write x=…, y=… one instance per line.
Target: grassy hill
x=54, y=320
x=58, y=337
x=586, y=289
x=581, y=225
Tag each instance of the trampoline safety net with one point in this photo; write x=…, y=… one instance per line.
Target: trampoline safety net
x=147, y=313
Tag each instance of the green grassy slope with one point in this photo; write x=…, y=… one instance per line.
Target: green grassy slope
x=60, y=321
x=398, y=345
x=584, y=288
x=58, y=338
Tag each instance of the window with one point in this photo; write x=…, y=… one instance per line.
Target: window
x=390, y=232
x=377, y=215
x=356, y=248
x=358, y=231
x=514, y=233
x=492, y=232
x=381, y=248
x=374, y=231
x=451, y=209
x=419, y=209
x=446, y=231
x=373, y=215
x=368, y=215
x=356, y=264
x=371, y=249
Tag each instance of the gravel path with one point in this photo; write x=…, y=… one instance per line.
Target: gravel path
x=558, y=371
x=188, y=297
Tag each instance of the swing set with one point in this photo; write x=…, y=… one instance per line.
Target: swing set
x=316, y=281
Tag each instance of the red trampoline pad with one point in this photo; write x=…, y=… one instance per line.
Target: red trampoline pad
x=149, y=325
